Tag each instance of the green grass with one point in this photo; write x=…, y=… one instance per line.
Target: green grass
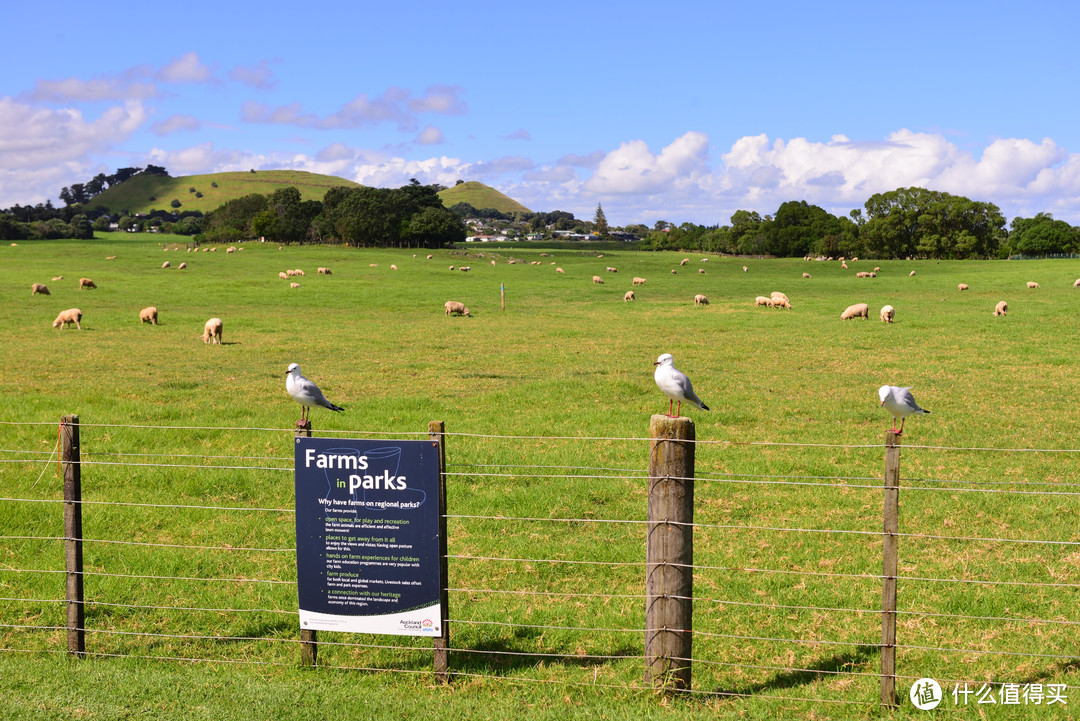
x=134, y=195
x=481, y=196
x=566, y=360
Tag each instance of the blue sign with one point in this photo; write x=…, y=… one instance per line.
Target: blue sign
x=367, y=536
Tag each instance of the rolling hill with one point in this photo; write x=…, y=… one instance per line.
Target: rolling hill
x=479, y=196
x=143, y=193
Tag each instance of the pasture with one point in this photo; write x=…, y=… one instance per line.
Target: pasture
x=552, y=398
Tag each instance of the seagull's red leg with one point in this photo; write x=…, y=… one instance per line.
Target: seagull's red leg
x=678, y=409
x=669, y=405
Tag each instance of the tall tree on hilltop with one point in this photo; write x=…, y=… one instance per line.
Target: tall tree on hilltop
x=600, y=221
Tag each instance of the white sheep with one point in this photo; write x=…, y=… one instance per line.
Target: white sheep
x=324, y=271
x=843, y=265
x=181, y=266
x=39, y=288
x=451, y=267
x=288, y=273
x=465, y=268
x=59, y=277
x=1001, y=308
x=598, y=280
x=778, y=295
x=684, y=261
x=639, y=281
x=805, y=275
x=744, y=269
x=283, y=276
x=859, y=310
x=674, y=272
x=86, y=283
x=613, y=270
x=231, y=249
x=701, y=271
x=962, y=286
x=1076, y=283
x=148, y=315
x=493, y=262
x=862, y=274
x=559, y=270
x=298, y=272
x=166, y=264
x=453, y=307
x=628, y=296
x=71, y=315
x=294, y=285
x=700, y=299
x=887, y=314
x=911, y=274
x=392, y=267
x=762, y=300
x=1032, y=284
x=212, y=331
x=430, y=257
x=877, y=268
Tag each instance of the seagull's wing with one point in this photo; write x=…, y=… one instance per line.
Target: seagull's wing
x=687, y=389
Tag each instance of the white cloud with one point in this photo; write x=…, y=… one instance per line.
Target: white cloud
x=258, y=76
x=632, y=168
x=186, y=69
x=98, y=88
x=519, y=134
x=176, y=123
x=430, y=136
x=441, y=99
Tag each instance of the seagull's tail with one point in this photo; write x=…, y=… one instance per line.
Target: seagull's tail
x=705, y=407
x=332, y=407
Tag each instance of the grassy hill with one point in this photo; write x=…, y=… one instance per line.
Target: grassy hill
x=479, y=195
x=135, y=194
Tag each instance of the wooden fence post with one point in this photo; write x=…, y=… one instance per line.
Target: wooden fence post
x=890, y=548
x=669, y=554
x=441, y=644
x=73, y=538
x=309, y=638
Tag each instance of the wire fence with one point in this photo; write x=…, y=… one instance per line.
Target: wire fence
x=190, y=556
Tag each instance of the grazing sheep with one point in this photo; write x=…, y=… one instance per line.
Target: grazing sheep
x=762, y=300
x=392, y=267
x=455, y=308
x=628, y=296
x=871, y=275
x=465, y=268
x=430, y=257
x=559, y=270
x=598, y=280
x=704, y=260
x=59, y=277
x=1032, y=284
x=805, y=275
x=700, y=299
x=148, y=315
x=684, y=261
x=1076, y=283
x=876, y=269
x=862, y=274
x=39, y=288
x=962, y=286
x=110, y=257
x=639, y=281
x=231, y=249
x=493, y=262
x=71, y=315
x=324, y=271
x=376, y=265
x=289, y=273
x=166, y=264
x=781, y=303
x=744, y=269
x=887, y=314
x=283, y=276
x=612, y=270
x=294, y=285
x=843, y=265
x=298, y=272
x=1001, y=308
x=86, y=283
x=184, y=265
x=777, y=294
x=212, y=331
x=701, y=271
x=451, y=267
x=859, y=310
x=911, y=274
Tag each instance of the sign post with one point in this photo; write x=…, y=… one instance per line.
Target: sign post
x=367, y=536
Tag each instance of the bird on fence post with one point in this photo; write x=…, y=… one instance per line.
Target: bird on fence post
x=900, y=403
x=675, y=385
x=304, y=392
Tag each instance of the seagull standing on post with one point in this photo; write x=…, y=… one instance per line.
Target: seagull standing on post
x=306, y=393
x=675, y=385
x=900, y=403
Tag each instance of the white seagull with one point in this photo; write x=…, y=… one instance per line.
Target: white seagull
x=900, y=403
x=675, y=385
x=304, y=392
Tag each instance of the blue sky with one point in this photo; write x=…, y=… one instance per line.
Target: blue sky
x=678, y=111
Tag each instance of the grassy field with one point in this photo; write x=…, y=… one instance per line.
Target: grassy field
x=480, y=196
x=549, y=399
x=134, y=195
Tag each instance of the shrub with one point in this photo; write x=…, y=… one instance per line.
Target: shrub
x=175, y=203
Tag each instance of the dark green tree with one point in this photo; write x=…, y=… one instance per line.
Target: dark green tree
x=600, y=221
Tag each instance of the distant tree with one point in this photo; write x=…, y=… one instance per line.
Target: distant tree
x=600, y=221
x=916, y=222
x=459, y=182
x=434, y=228
x=81, y=228
x=198, y=194
x=101, y=223
x=155, y=170
x=1042, y=235
x=175, y=203
x=191, y=189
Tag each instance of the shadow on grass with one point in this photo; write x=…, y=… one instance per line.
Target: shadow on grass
x=831, y=666
x=503, y=656
x=1057, y=669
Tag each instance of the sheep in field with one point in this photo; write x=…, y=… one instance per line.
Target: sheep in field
x=298, y=272
x=805, y=275
x=859, y=310
x=453, y=307
x=700, y=299
x=887, y=314
x=598, y=280
x=392, y=267
x=1001, y=308
x=628, y=296
x=283, y=276
x=324, y=271
x=71, y=315
x=148, y=315
x=559, y=270
x=1076, y=283
x=430, y=257
x=962, y=286
x=684, y=261
x=181, y=266
x=86, y=283
x=59, y=277
x=294, y=285
x=166, y=264
x=212, y=331
x=701, y=271
x=639, y=281
x=911, y=274
x=1032, y=284
x=762, y=300
x=39, y=288
x=780, y=302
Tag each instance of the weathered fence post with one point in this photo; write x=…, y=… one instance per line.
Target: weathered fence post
x=889, y=552
x=309, y=638
x=73, y=538
x=669, y=555
x=441, y=644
